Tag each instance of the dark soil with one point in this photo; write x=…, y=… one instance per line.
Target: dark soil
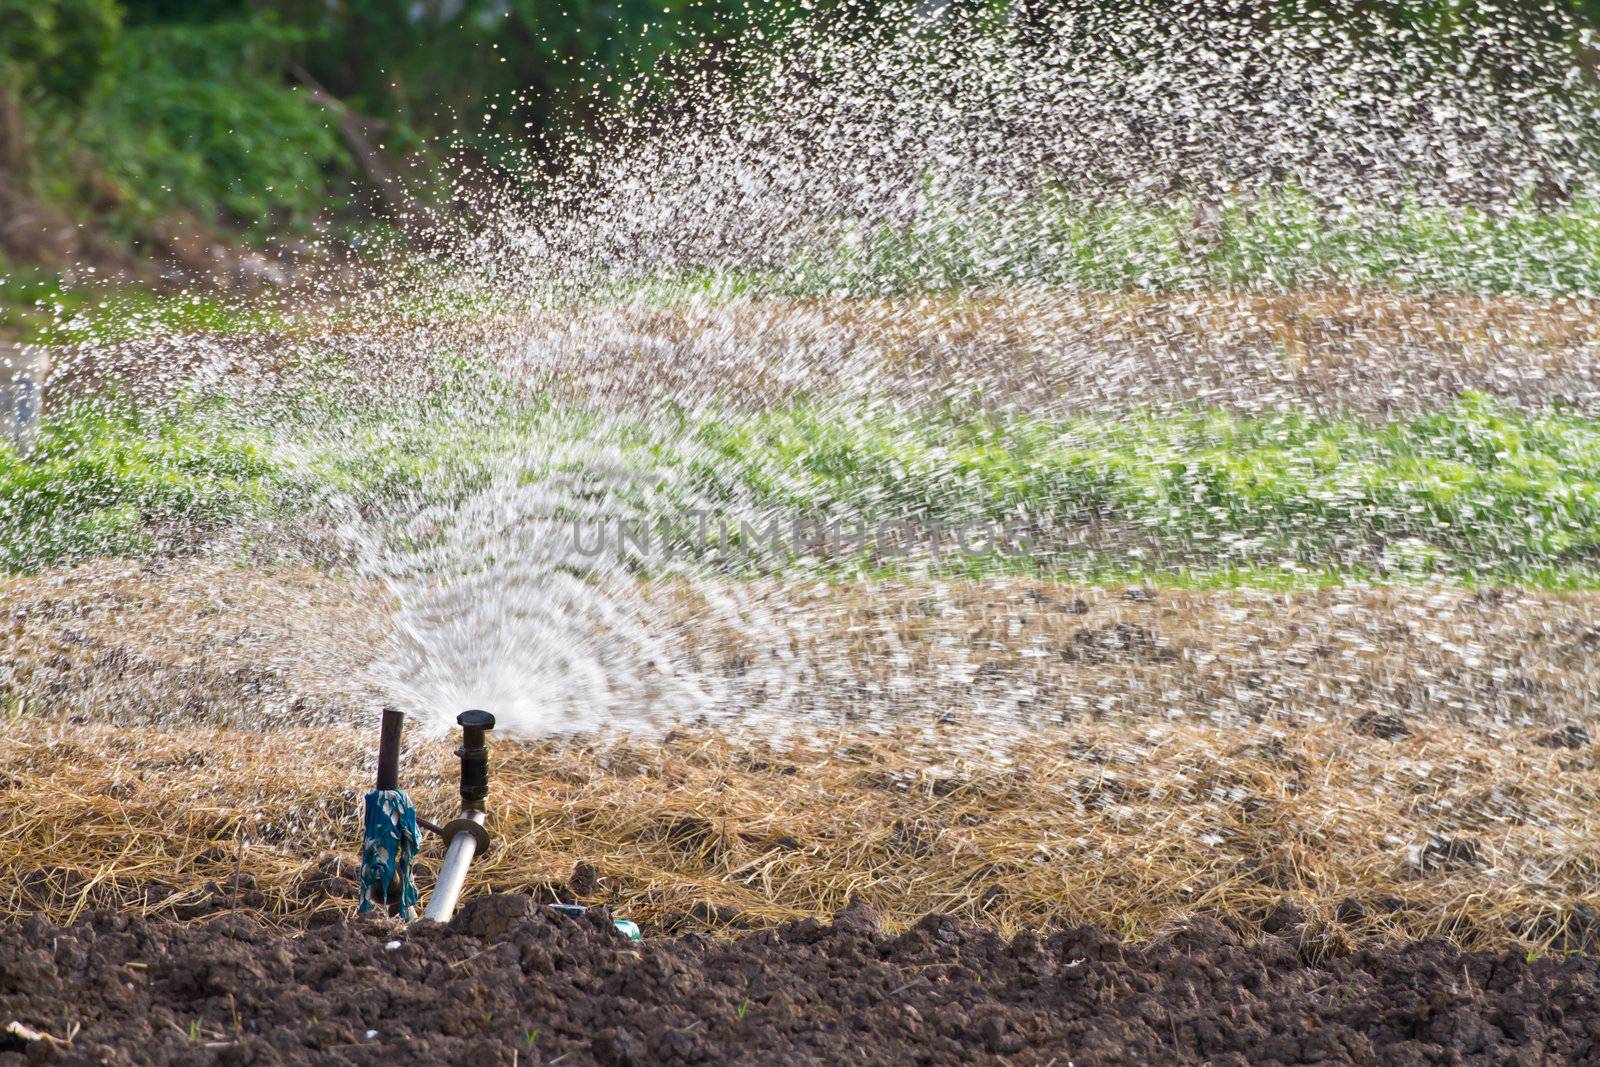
x=511, y=983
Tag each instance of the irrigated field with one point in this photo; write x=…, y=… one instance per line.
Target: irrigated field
x=1302, y=664
x=1389, y=763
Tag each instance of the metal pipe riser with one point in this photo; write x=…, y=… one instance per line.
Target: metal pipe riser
x=466, y=835
x=474, y=755
x=468, y=839
x=389, y=749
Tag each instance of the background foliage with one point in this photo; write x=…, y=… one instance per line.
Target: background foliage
x=227, y=113
x=127, y=111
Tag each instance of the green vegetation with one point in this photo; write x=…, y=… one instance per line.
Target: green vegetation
x=141, y=116
x=1474, y=494
x=108, y=480
x=195, y=120
x=1271, y=243
x=110, y=477
x=31, y=300
x=37, y=306
x=136, y=117
x=132, y=126
x=1284, y=242
x=489, y=72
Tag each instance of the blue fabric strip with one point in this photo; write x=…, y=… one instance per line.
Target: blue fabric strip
x=388, y=848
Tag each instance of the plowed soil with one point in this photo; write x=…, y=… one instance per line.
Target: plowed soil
x=512, y=983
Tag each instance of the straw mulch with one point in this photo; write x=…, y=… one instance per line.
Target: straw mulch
x=1402, y=762
x=1482, y=839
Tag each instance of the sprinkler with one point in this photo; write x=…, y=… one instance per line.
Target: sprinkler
x=465, y=835
x=391, y=829
x=390, y=837
x=389, y=832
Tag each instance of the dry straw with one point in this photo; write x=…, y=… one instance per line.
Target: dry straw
x=1449, y=832
x=1389, y=762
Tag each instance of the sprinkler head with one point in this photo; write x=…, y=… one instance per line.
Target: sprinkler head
x=474, y=753
x=473, y=724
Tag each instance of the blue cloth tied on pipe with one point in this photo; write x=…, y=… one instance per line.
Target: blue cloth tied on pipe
x=388, y=849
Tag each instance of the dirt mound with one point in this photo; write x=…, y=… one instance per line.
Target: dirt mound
x=512, y=983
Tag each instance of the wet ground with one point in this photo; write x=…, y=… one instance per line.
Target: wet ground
x=1048, y=351
x=511, y=983
x=1010, y=751
x=193, y=642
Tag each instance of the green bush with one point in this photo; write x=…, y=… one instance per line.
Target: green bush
x=198, y=120
x=57, y=47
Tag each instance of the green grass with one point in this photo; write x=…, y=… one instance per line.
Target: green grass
x=109, y=477
x=107, y=480
x=1276, y=242
x=1271, y=243
x=37, y=306
x=1474, y=494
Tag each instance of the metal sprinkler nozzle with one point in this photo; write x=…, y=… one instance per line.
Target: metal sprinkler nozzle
x=474, y=753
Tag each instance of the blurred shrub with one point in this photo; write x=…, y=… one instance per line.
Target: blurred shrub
x=488, y=73
x=58, y=47
x=197, y=119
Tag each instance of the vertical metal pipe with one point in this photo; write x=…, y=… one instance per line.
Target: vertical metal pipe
x=474, y=753
x=466, y=834
x=389, y=749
